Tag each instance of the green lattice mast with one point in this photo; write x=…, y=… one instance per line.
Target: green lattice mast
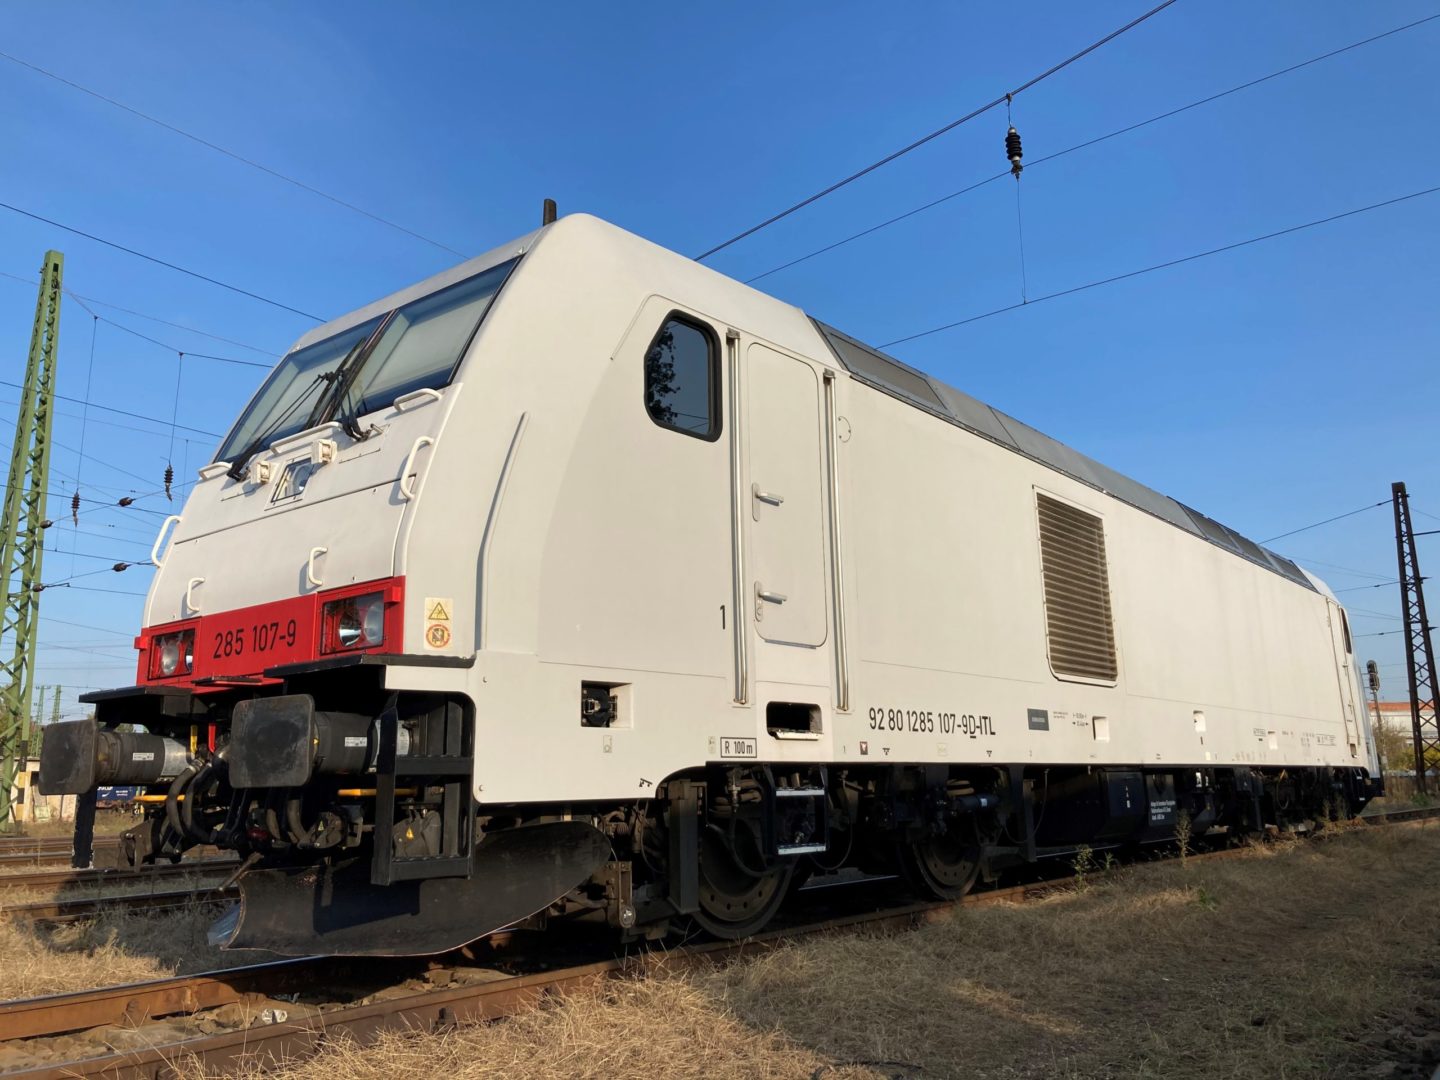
x=22, y=528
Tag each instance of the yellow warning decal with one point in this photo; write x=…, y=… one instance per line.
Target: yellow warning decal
x=439, y=611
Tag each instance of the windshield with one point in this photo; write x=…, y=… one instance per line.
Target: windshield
x=420, y=347
x=283, y=405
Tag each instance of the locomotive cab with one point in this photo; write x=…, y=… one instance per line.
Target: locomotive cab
x=267, y=722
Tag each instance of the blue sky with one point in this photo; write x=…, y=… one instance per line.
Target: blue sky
x=1269, y=387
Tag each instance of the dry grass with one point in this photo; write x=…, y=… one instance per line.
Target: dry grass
x=115, y=947
x=1298, y=961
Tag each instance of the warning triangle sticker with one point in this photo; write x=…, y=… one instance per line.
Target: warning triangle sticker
x=438, y=613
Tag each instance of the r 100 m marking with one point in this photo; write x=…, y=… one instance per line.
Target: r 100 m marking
x=925, y=722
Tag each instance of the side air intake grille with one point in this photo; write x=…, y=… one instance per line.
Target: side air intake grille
x=1077, y=592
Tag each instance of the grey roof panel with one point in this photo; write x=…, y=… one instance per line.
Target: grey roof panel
x=975, y=415
x=886, y=373
x=1052, y=452
x=1147, y=499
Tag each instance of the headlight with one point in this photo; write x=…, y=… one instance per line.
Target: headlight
x=172, y=654
x=356, y=622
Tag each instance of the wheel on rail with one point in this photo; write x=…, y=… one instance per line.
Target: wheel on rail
x=739, y=893
x=943, y=866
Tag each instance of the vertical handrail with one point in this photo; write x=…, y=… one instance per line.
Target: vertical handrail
x=740, y=615
x=173, y=519
x=837, y=571
x=482, y=569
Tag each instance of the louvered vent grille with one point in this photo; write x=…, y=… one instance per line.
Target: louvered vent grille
x=1077, y=592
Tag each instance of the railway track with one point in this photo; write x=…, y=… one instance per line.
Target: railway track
x=25, y=851
x=296, y=1027
x=85, y=907
x=10, y=845
x=59, y=879
x=53, y=856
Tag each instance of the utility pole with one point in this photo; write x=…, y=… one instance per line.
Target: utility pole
x=22, y=526
x=1419, y=653
x=1372, y=679
x=55, y=709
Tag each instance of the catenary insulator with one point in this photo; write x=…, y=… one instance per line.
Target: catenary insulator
x=1013, y=152
x=169, y=479
x=120, y=566
x=75, y=507
x=126, y=501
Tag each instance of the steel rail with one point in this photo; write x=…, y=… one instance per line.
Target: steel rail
x=59, y=879
x=72, y=910
x=23, y=844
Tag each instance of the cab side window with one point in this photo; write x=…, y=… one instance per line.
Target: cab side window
x=682, y=378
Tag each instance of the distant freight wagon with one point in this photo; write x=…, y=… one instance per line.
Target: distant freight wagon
x=116, y=798
x=582, y=580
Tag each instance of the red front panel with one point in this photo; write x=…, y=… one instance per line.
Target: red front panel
x=246, y=641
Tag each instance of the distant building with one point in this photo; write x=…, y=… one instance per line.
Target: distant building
x=1395, y=715
x=30, y=805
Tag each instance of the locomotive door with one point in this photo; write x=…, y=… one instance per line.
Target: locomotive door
x=784, y=504
x=1344, y=665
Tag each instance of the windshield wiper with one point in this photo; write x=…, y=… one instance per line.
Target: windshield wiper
x=336, y=402
x=242, y=459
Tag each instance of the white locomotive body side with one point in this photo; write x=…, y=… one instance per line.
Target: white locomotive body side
x=837, y=567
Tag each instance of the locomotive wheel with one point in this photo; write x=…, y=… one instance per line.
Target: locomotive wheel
x=735, y=901
x=944, y=867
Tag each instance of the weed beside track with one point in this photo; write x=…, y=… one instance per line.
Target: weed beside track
x=1295, y=960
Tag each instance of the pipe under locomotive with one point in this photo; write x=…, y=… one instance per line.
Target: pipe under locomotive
x=407, y=656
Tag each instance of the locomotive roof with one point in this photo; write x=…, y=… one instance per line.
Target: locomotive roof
x=885, y=373
x=873, y=368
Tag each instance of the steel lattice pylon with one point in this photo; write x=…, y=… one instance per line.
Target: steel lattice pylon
x=22, y=541
x=1419, y=653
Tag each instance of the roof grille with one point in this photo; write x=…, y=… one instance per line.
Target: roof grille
x=1078, y=619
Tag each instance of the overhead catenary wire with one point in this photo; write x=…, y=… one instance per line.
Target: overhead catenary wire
x=1087, y=144
x=1334, y=566
x=1373, y=614
x=121, y=412
x=84, y=424
x=1327, y=521
x=951, y=126
x=32, y=282
x=277, y=174
x=1377, y=585
x=1163, y=266
x=160, y=262
x=86, y=626
x=99, y=589
x=187, y=352
x=103, y=423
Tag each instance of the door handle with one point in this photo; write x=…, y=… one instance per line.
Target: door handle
x=763, y=497
x=765, y=596
x=314, y=581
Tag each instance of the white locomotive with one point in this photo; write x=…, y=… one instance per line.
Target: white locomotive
x=583, y=579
